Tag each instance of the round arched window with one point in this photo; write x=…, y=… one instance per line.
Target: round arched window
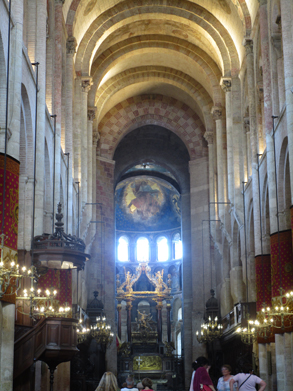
x=163, y=250
x=122, y=251
x=177, y=246
x=142, y=250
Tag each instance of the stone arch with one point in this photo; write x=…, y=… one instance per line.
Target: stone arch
x=157, y=109
x=156, y=74
x=26, y=158
x=114, y=54
x=192, y=12
x=241, y=6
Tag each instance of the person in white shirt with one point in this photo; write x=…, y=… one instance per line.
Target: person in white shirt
x=130, y=385
x=247, y=380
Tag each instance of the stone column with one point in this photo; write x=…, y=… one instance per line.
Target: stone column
x=169, y=322
x=15, y=78
x=85, y=85
x=95, y=141
x=265, y=53
x=287, y=34
x=105, y=182
x=89, y=208
x=226, y=86
x=209, y=136
x=7, y=315
x=248, y=43
x=119, y=308
x=128, y=308
x=263, y=362
x=237, y=140
x=221, y=158
x=41, y=114
x=159, y=320
x=246, y=126
x=195, y=288
x=70, y=50
x=57, y=94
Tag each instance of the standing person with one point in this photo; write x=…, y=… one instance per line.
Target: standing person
x=201, y=377
x=224, y=381
x=130, y=385
x=192, y=377
x=108, y=383
x=147, y=384
x=247, y=380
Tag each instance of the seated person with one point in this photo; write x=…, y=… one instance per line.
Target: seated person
x=147, y=384
x=129, y=385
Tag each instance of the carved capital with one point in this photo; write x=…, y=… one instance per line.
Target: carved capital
x=226, y=83
x=71, y=45
x=216, y=113
x=209, y=136
x=91, y=113
x=248, y=44
x=86, y=83
x=96, y=137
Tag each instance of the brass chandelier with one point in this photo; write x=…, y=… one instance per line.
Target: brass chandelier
x=209, y=331
x=11, y=274
x=101, y=332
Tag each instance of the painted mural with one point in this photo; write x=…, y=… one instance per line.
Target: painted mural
x=147, y=204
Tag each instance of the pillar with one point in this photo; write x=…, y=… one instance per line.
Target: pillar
x=226, y=86
x=57, y=94
x=286, y=18
x=70, y=50
x=195, y=288
x=267, y=89
x=209, y=136
x=40, y=57
x=86, y=83
x=248, y=43
x=159, y=320
x=15, y=78
x=105, y=196
x=7, y=314
x=169, y=322
x=119, y=308
x=89, y=208
x=128, y=308
x=246, y=127
x=221, y=157
x=237, y=142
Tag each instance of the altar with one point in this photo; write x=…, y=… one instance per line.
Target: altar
x=145, y=353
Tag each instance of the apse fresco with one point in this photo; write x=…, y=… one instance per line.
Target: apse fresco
x=147, y=204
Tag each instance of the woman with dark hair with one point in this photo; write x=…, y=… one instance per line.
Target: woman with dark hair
x=147, y=384
x=202, y=379
x=247, y=380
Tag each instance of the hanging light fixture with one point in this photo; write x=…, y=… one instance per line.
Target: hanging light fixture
x=11, y=274
x=209, y=331
x=101, y=332
x=248, y=334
